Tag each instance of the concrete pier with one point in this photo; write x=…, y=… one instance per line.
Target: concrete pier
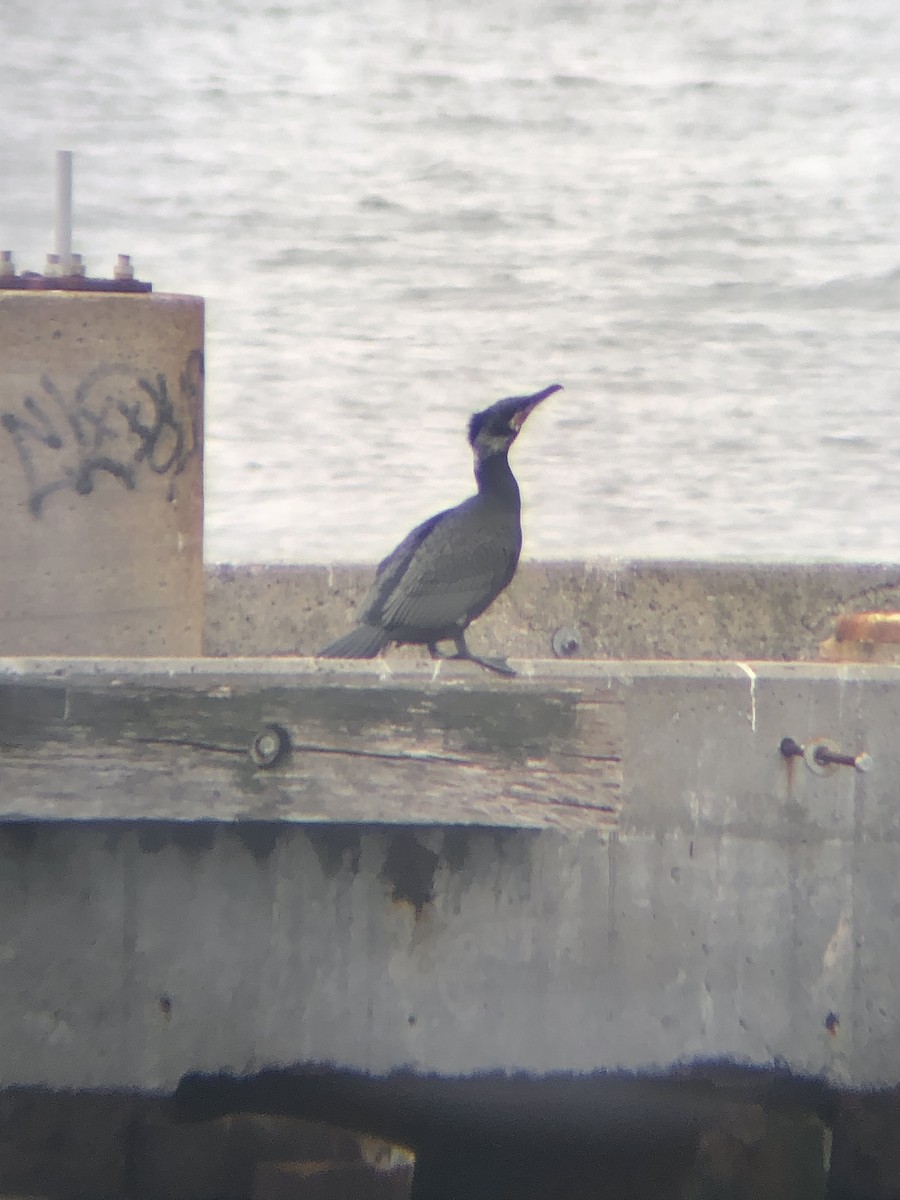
x=593, y=867
x=598, y=899
x=101, y=480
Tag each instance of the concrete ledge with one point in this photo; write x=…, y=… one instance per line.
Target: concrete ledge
x=620, y=610
x=731, y=905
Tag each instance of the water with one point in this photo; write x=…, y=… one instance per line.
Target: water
x=399, y=211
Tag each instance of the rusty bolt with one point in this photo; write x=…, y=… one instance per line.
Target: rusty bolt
x=825, y=757
x=821, y=755
x=790, y=749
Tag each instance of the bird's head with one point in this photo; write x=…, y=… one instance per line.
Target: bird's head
x=495, y=429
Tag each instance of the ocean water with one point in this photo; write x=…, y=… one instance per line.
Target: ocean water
x=399, y=211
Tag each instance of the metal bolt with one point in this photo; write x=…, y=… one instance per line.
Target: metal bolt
x=269, y=746
x=822, y=754
x=790, y=749
x=566, y=641
x=825, y=757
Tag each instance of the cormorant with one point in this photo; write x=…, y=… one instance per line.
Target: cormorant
x=448, y=570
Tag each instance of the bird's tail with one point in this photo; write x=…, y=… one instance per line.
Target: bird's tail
x=365, y=641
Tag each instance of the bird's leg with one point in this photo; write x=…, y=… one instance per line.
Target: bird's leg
x=500, y=665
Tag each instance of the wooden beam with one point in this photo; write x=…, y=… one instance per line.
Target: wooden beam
x=350, y=743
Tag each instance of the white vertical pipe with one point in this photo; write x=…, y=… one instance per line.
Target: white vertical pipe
x=64, y=210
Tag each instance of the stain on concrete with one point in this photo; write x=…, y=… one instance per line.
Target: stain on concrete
x=193, y=839
x=455, y=849
x=18, y=837
x=337, y=847
x=409, y=868
x=259, y=837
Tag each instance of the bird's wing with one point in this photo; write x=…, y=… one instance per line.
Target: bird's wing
x=391, y=570
x=445, y=572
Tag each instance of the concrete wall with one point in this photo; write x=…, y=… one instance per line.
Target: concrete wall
x=725, y=948
x=742, y=909
x=648, y=610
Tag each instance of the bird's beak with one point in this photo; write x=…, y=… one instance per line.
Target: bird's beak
x=528, y=404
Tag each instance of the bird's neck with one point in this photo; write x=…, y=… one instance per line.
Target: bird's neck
x=496, y=480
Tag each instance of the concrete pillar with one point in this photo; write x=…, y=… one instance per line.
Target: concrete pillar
x=101, y=473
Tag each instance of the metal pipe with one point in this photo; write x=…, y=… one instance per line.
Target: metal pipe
x=64, y=210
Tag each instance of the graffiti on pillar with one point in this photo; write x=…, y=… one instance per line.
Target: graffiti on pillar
x=116, y=422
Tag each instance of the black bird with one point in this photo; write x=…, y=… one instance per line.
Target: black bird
x=448, y=570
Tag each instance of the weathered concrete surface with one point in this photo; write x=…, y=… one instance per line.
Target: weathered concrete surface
x=738, y=907
x=101, y=479
x=644, y=610
x=742, y=910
